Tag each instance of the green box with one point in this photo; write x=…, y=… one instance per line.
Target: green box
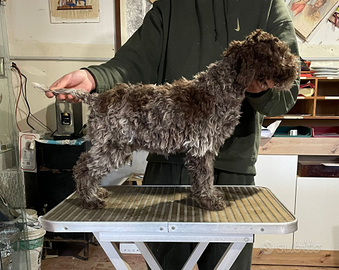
x=285, y=131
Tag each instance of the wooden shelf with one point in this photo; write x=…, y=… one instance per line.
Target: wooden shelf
x=328, y=98
x=305, y=98
x=299, y=146
x=323, y=104
x=290, y=117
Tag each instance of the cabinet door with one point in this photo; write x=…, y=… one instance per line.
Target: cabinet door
x=317, y=212
x=278, y=173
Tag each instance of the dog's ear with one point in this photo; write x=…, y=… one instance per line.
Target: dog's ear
x=246, y=74
x=243, y=60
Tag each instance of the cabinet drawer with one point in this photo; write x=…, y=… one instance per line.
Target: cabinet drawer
x=317, y=169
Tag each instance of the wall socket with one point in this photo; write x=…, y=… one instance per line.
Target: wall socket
x=129, y=248
x=27, y=150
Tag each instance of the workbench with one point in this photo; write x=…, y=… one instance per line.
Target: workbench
x=142, y=214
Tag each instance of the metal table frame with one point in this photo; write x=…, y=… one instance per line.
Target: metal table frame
x=140, y=232
x=237, y=243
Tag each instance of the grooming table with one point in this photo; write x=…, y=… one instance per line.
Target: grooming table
x=142, y=214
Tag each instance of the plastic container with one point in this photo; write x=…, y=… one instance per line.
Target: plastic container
x=33, y=213
x=34, y=244
x=328, y=132
x=298, y=131
x=9, y=235
x=29, y=212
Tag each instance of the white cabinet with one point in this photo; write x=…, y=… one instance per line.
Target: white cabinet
x=278, y=173
x=317, y=204
x=313, y=200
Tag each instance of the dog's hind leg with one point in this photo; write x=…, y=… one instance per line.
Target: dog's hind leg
x=201, y=170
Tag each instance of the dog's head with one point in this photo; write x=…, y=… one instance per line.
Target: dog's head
x=261, y=56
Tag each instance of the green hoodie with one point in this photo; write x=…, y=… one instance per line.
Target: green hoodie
x=179, y=38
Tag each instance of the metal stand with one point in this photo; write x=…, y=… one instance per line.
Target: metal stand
x=237, y=244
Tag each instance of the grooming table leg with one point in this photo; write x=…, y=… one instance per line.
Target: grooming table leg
x=194, y=257
x=112, y=252
x=148, y=256
x=230, y=255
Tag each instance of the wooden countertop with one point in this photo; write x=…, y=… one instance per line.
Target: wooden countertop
x=299, y=146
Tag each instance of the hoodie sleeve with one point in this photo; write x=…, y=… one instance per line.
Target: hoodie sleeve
x=137, y=61
x=273, y=102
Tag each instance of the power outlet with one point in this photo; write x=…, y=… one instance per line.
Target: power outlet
x=27, y=150
x=129, y=248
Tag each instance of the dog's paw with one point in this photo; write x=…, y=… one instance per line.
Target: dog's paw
x=214, y=201
x=94, y=204
x=103, y=193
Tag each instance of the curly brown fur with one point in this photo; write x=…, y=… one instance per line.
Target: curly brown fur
x=191, y=116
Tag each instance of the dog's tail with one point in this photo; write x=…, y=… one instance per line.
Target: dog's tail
x=80, y=94
x=83, y=95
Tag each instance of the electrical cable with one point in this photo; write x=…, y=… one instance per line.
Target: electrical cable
x=23, y=91
x=16, y=103
x=24, y=94
x=29, y=109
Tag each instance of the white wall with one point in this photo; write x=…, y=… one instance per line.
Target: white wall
x=31, y=34
x=324, y=44
x=30, y=31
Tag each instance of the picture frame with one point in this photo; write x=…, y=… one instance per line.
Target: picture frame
x=74, y=11
x=309, y=15
x=129, y=15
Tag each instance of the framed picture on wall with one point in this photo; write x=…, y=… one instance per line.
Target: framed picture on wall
x=129, y=15
x=74, y=11
x=308, y=15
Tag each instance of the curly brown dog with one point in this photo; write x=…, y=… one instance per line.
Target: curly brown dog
x=191, y=116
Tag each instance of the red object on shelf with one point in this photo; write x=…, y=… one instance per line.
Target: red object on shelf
x=328, y=132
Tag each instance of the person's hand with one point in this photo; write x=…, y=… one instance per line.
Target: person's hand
x=257, y=87
x=79, y=79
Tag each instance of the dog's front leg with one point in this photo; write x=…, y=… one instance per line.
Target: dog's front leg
x=201, y=170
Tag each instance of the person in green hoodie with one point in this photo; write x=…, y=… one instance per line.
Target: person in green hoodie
x=180, y=38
